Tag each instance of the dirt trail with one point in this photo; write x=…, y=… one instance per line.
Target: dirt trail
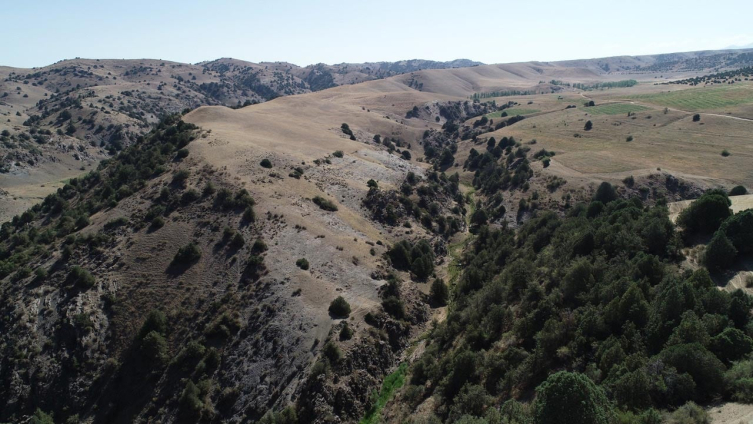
x=631, y=101
x=731, y=413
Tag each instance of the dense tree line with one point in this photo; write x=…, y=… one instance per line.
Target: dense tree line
x=597, y=295
x=732, y=233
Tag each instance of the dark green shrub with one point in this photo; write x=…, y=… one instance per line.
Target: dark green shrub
x=605, y=193
x=237, y=241
x=338, y=153
x=325, y=204
x=157, y=223
x=346, y=130
x=189, y=401
x=690, y=413
x=208, y=189
x=720, y=253
x=187, y=254
x=259, y=246
x=339, y=307
x=302, y=263
x=739, y=380
x=394, y=307
x=739, y=230
x=189, y=196
x=706, y=214
x=155, y=321
x=80, y=278
x=154, y=348
x=418, y=258
x=589, y=125
x=706, y=370
x=738, y=191
x=696, y=117
x=731, y=345
x=249, y=215
x=332, y=352
x=266, y=163
x=181, y=154
x=346, y=333
x=439, y=292
x=40, y=417
x=570, y=398
x=181, y=177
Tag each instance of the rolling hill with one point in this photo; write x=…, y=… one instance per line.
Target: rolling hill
x=188, y=271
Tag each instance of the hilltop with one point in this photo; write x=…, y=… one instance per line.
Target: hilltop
x=61, y=120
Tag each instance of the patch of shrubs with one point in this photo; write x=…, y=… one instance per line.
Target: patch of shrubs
x=417, y=258
x=80, y=278
x=346, y=130
x=325, y=204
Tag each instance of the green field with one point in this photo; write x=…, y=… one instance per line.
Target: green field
x=512, y=112
x=705, y=98
x=614, y=109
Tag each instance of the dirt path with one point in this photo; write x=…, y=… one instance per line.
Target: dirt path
x=731, y=413
x=631, y=101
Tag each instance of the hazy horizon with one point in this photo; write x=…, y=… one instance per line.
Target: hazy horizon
x=302, y=33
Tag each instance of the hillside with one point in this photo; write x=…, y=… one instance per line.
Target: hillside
x=193, y=273
x=61, y=120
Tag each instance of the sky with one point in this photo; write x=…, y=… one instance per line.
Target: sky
x=40, y=32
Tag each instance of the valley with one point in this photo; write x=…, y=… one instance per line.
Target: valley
x=237, y=242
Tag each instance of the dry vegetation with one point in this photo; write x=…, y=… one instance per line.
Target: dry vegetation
x=247, y=304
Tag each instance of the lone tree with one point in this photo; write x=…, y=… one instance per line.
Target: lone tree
x=569, y=398
x=588, y=126
x=720, y=253
x=696, y=117
x=439, y=292
x=738, y=191
x=605, y=193
x=187, y=254
x=706, y=214
x=339, y=307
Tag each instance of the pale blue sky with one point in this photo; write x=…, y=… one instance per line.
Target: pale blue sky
x=40, y=32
